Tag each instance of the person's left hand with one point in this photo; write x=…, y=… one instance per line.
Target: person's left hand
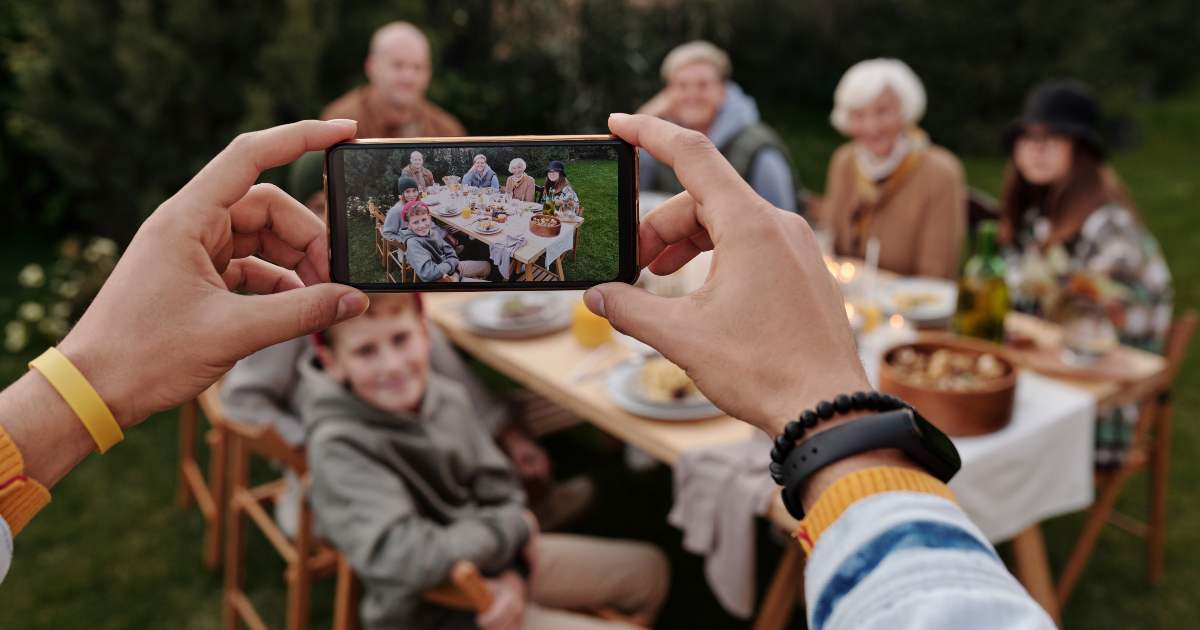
x=529, y=459
x=169, y=321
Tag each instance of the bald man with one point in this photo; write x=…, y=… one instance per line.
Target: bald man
x=392, y=104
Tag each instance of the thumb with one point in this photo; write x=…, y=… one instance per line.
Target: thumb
x=265, y=320
x=636, y=312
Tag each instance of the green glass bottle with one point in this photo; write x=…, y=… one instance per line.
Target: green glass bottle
x=982, y=290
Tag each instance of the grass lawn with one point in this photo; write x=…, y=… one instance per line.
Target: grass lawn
x=113, y=551
x=596, y=258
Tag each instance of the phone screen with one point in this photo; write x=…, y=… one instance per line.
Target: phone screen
x=479, y=214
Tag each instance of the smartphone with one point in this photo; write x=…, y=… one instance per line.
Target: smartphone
x=482, y=213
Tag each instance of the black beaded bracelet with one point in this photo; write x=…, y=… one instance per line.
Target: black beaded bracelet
x=826, y=410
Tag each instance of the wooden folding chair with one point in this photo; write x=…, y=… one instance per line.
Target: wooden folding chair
x=306, y=558
x=208, y=494
x=578, y=229
x=386, y=248
x=1150, y=449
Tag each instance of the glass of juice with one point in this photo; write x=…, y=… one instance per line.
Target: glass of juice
x=590, y=330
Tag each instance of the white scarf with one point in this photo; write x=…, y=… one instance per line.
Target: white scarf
x=877, y=168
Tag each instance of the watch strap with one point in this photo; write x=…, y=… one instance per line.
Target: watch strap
x=901, y=429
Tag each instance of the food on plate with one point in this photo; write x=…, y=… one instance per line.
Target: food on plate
x=911, y=300
x=948, y=370
x=501, y=217
x=488, y=226
x=519, y=307
x=663, y=381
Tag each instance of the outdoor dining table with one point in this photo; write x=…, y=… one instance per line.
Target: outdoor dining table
x=516, y=225
x=546, y=365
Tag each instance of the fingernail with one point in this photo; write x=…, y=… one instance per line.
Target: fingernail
x=594, y=300
x=618, y=115
x=345, y=122
x=352, y=305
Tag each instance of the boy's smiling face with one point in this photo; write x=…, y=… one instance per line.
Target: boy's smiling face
x=420, y=224
x=382, y=355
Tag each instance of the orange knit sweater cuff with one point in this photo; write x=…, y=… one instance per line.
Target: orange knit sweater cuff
x=20, y=496
x=861, y=484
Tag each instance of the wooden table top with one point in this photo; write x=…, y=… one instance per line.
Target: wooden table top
x=547, y=364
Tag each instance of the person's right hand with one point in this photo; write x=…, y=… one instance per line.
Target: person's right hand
x=766, y=336
x=508, y=604
x=169, y=321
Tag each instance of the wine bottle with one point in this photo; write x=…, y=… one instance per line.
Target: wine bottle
x=982, y=289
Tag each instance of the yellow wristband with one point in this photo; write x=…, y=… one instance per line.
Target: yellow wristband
x=80, y=396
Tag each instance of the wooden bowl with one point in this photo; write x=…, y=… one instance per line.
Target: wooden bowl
x=545, y=225
x=977, y=411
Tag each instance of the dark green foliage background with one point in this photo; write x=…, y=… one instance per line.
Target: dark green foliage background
x=108, y=106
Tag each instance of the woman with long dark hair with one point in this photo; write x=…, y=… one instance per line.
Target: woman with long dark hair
x=558, y=188
x=1074, y=236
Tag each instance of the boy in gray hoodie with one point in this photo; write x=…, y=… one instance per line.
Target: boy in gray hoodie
x=431, y=256
x=405, y=483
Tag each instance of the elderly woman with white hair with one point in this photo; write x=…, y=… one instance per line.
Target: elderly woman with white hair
x=699, y=95
x=521, y=186
x=889, y=182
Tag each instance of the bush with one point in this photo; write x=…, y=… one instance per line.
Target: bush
x=111, y=106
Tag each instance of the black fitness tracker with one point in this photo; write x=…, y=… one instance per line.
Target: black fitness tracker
x=902, y=429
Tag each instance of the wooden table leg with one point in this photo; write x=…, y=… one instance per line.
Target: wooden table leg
x=529, y=271
x=780, y=601
x=1032, y=568
x=559, y=269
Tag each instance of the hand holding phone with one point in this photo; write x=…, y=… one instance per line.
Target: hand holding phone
x=534, y=212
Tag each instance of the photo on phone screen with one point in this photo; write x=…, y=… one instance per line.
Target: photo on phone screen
x=478, y=214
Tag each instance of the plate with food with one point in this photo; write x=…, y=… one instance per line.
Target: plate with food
x=517, y=314
x=487, y=226
x=656, y=388
x=446, y=211
x=921, y=299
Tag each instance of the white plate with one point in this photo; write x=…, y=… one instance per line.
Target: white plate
x=483, y=315
x=944, y=292
x=447, y=212
x=478, y=227
x=623, y=388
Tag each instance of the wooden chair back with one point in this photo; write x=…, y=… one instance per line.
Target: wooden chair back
x=207, y=493
x=1150, y=449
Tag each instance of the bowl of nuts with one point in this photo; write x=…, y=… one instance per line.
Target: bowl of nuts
x=964, y=386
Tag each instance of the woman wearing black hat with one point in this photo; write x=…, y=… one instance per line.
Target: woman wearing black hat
x=558, y=189
x=1074, y=237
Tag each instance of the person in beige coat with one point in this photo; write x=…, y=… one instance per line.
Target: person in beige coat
x=889, y=182
x=519, y=184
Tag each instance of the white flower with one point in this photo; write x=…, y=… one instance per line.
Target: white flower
x=68, y=289
x=61, y=310
x=15, y=336
x=31, y=311
x=32, y=276
x=53, y=327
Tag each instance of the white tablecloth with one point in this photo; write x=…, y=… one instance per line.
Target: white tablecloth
x=1037, y=467
x=517, y=226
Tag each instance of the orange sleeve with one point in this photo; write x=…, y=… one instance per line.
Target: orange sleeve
x=20, y=496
